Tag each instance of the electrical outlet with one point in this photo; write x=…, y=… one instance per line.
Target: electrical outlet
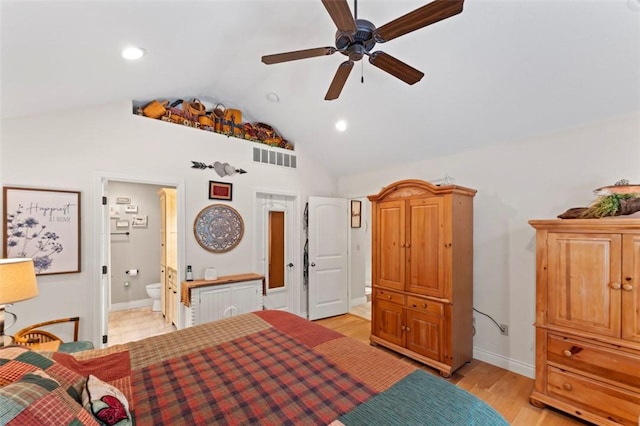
x=505, y=329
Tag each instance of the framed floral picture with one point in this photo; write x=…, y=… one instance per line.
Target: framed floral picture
x=43, y=224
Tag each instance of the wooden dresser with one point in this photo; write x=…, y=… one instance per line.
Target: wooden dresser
x=422, y=272
x=588, y=318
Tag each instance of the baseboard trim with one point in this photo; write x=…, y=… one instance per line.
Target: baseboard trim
x=359, y=301
x=501, y=361
x=122, y=306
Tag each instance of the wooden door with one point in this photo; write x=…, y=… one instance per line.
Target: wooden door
x=390, y=234
x=388, y=322
x=583, y=290
x=424, y=244
x=630, y=291
x=425, y=333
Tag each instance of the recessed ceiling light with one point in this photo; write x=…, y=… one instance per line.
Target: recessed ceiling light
x=133, y=53
x=341, y=125
x=273, y=97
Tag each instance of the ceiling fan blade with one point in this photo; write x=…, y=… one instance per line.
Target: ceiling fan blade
x=419, y=18
x=395, y=67
x=341, y=15
x=298, y=54
x=339, y=80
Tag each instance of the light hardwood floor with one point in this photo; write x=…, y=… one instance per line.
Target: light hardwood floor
x=507, y=392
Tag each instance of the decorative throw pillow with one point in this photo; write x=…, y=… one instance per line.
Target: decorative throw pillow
x=106, y=402
x=16, y=361
x=37, y=399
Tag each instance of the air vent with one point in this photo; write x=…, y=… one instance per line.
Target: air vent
x=275, y=158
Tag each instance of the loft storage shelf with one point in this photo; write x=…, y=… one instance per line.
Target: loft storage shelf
x=219, y=120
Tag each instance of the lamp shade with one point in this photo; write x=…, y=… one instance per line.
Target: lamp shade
x=17, y=280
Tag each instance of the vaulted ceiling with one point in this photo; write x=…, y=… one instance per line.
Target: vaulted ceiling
x=498, y=72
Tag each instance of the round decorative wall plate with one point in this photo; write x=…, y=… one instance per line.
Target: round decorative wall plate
x=218, y=228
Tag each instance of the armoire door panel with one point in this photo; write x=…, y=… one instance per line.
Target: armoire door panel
x=630, y=290
x=584, y=283
x=388, y=320
x=424, y=247
x=424, y=334
x=391, y=252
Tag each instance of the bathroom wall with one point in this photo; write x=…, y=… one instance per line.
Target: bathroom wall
x=138, y=250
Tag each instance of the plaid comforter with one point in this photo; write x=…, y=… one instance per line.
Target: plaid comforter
x=272, y=367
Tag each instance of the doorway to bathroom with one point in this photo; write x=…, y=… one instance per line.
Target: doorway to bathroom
x=132, y=250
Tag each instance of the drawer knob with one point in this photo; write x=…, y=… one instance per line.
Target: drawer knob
x=615, y=286
x=571, y=351
x=388, y=297
x=567, y=386
x=403, y=327
x=408, y=329
x=424, y=306
x=627, y=287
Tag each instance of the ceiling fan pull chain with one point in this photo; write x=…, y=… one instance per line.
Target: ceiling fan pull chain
x=362, y=72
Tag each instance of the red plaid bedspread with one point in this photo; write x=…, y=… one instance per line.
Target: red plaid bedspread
x=268, y=367
x=260, y=378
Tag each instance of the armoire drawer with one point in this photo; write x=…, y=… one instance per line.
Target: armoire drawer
x=425, y=305
x=389, y=296
x=615, y=404
x=611, y=365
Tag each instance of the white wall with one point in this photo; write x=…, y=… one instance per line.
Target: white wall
x=536, y=178
x=67, y=150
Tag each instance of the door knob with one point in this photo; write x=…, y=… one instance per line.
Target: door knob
x=627, y=287
x=615, y=286
x=290, y=265
x=313, y=263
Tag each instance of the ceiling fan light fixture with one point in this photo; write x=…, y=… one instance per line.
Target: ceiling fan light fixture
x=133, y=53
x=341, y=125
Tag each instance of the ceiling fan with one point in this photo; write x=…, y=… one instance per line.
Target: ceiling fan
x=356, y=38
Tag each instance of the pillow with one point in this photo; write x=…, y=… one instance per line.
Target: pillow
x=107, y=403
x=16, y=361
x=37, y=399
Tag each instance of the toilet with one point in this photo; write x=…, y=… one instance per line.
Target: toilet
x=153, y=290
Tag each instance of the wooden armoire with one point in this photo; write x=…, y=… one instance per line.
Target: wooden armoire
x=588, y=318
x=422, y=272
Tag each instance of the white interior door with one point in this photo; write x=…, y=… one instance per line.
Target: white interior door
x=105, y=254
x=328, y=273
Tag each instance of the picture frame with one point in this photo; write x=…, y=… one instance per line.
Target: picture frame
x=139, y=221
x=123, y=200
x=220, y=190
x=43, y=224
x=122, y=224
x=356, y=213
x=131, y=208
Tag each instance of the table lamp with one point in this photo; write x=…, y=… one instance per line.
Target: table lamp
x=17, y=283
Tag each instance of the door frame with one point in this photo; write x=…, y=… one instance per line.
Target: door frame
x=101, y=291
x=292, y=242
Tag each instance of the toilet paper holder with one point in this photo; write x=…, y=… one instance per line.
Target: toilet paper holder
x=131, y=272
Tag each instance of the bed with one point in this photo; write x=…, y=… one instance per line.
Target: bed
x=266, y=367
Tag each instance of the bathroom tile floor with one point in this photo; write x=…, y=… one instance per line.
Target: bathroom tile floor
x=135, y=324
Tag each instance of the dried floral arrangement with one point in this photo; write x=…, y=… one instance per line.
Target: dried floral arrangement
x=618, y=199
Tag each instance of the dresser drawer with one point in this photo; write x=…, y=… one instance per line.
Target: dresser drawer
x=389, y=296
x=611, y=403
x=424, y=305
x=611, y=365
